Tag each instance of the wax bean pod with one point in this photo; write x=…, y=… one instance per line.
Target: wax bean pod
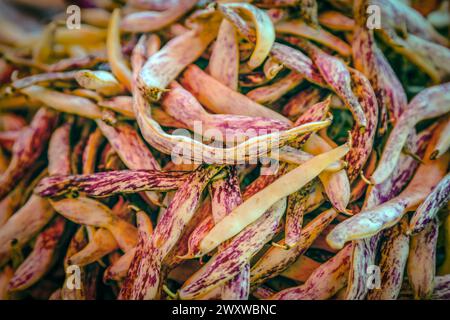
x=260, y=202
x=220, y=99
x=165, y=65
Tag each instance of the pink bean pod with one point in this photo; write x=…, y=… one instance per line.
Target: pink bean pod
x=41, y=259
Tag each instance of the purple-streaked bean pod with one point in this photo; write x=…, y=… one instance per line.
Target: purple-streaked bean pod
x=369, y=59
x=443, y=143
x=227, y=263
x=277, y=259
x=90, y=212
x=89, y=156
x=364, y=250
x=324, y=282
x=263, y=28
x=372, y=220
x=338, y=77
x=144, y=279
x=186, y=149
x=428, y=210
x=224, y=61
x=362, y=142
x=41, y=258
x=300, y=28
x=220, y=99
x=296, y=207
x=297, y=61
x=429, y=103
x=272, y=92
x=225, y=196
x=421, y=265
x=238, y=288
x=182, y=105
x=27, y=149
x=394, y=254
x=166, y=64
x=336, y=184
x=441, y=288
x=103, y=184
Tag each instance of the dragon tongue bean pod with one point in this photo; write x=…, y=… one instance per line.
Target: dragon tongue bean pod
x=430, y=103
x=144, y=277
x=372, y=220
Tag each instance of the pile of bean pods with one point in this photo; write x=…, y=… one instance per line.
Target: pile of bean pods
x=194, y=149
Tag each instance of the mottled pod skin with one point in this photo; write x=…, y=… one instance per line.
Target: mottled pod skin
x=144, y=276
x=102, y=184
x=324, y=282
x=277, y=259
x=427, y=211
x=372, y=220
x=229, y=261
x=28, y=148
x=394, y=254
x=364, y=250
x=429, y=103
x=41, y=259
x=422, y=261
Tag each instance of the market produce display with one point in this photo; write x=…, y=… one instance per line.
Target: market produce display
x=234, y=150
